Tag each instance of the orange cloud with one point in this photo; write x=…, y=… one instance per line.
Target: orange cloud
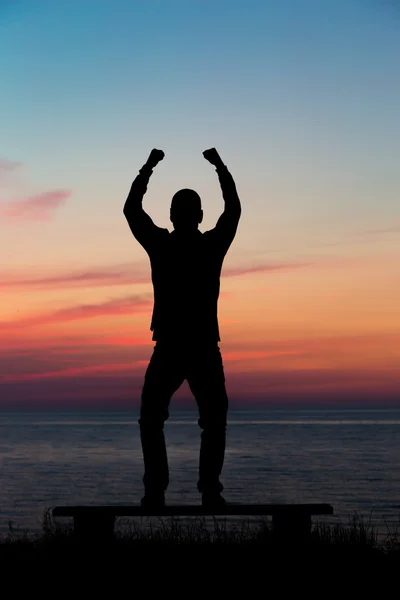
x=39, y=207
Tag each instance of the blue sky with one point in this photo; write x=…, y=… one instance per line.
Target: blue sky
x=300, y=97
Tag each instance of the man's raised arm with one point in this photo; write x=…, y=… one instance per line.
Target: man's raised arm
x=139, y=221
x=227, y=223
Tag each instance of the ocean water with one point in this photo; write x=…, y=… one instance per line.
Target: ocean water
x=348, y=458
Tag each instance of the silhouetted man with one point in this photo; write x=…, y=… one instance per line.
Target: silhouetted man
x=186, y=266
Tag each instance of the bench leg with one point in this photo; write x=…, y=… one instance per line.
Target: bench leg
x=291, y=529
x=97, y=530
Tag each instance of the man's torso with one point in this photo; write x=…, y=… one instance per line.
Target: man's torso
x=186, y=279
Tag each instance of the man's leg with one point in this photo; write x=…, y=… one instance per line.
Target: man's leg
x=163, y=377
x=207, y=381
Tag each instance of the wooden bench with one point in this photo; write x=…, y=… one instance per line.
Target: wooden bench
x=290, y=522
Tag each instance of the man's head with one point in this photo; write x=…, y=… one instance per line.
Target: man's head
x=186, y=213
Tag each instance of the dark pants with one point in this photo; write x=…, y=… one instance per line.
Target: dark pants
x=169, y=366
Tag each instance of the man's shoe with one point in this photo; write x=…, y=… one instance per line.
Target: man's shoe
x=213, y=500
x=153, y=501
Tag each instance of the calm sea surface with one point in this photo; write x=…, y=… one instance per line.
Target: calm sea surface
x=349, y=458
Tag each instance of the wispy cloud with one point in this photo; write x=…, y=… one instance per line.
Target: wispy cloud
x=40, y=207
x=263, y=268
x=120, y=274
x=126, y=340
x=21, y=342
x=241, y=355
x=7, y=166
x=134, y=274
x=74, y=372
x=391, y=229
x=316, y=346
x=120, y=306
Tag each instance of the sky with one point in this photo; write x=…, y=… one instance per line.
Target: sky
x=301, y=100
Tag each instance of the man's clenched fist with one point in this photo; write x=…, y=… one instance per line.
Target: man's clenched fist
x=212, y=156
x=155, y=157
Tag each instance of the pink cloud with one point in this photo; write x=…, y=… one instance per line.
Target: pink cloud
x=133, y=274
x=39, y=207
x=98, y=370
x=125, y=340
x=19, y=344
x=241, y=355
x=120, y=306
x=121, y=274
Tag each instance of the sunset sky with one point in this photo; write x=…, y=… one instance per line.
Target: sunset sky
x=301, y=98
